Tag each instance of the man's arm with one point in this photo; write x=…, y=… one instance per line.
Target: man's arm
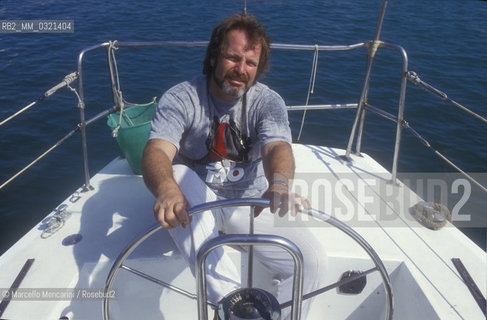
x=170, y=205
x=279, y=168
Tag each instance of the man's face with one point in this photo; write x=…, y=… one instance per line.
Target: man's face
x=236, y=68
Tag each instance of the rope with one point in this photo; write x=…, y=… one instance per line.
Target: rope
x=126, y=117
x=311, y=87
x=67, y=80
x=140, y=104
x=81, y=104
x=56, y=221
x=113, y=47
x=405, y=124
x=414, y=78
x=118, y=92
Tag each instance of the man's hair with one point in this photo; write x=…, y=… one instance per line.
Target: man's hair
x=255, y=32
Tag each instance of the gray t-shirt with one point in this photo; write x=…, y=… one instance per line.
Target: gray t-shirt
x=183, y=118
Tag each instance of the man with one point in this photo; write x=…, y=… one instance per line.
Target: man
x=225, y=135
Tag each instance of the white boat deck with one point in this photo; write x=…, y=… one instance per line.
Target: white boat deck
x=426, y=285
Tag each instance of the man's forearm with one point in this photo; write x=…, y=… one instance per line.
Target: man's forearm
x=278, y=162
x=157, y=169
x=170, y=207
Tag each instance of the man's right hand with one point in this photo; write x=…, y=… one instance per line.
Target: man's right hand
x=170, y=209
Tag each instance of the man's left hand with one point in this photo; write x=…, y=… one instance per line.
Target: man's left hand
x=283, y=199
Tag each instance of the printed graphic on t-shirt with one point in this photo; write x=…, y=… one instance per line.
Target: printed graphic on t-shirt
x=222, y=171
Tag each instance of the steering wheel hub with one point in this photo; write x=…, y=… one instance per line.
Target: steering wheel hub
x=249, y=303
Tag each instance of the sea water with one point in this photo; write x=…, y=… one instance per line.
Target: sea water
x=446, y=41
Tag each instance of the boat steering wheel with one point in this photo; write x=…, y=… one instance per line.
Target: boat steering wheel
x=251, y=240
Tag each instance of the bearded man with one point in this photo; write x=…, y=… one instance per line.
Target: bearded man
x=224, y=135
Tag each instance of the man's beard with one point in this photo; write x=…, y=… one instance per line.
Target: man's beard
x=230, y=90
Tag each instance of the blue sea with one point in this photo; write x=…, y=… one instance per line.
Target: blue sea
x=446, y=41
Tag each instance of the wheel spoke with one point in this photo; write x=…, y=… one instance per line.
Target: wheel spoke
x=162, y=283
x=331, y=286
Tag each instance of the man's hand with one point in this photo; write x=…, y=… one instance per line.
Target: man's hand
x=279, y=168
x=283, y=199
x=170, y=209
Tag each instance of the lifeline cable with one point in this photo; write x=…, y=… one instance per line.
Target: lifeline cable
x=414, y=78
x=40, y=157
x=405, y=124
x=67, y=80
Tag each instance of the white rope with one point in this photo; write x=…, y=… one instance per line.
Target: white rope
x=81, y=104
x=113, y=47
x=140, y=104
x=118, y=92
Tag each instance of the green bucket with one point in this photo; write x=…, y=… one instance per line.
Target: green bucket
x=133, y=131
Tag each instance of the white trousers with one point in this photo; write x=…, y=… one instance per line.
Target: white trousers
x=222, y=275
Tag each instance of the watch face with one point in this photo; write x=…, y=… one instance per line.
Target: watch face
x=249, y=304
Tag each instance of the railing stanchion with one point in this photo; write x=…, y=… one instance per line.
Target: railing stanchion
x=82, y=124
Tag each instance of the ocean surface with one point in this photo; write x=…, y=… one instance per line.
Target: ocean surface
x=446, y=42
